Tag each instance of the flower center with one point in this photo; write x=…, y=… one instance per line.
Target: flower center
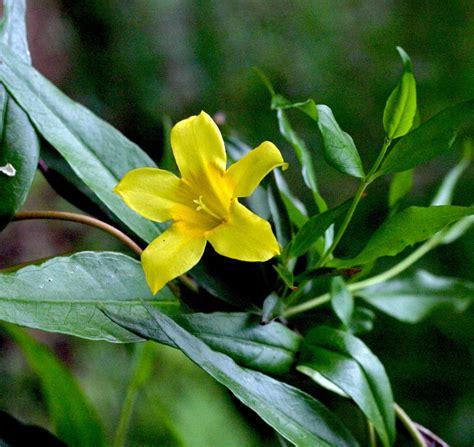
x=201, y=206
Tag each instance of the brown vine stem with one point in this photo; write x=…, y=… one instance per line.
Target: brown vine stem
x=93, y=222
x=80, y=218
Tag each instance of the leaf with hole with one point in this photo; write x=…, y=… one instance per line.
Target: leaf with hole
x=19, y=145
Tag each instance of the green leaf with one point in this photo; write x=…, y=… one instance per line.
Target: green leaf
x=98, y=153
x=416, y=297
x=64, y=295
x=304, y=156
x=400, y=109
x=308, y=107
x=294, y=414
x=295, y=208
x=400, y=186
x=339, y=148
x=13, y=28
x=347, y=363
x=404, y=229
x=279, y=213
x=428, y=140
x=362, y=320
x=73, y=417
x=269, y=348
x=444, y=195
x=342, y=301
x=314, y=228
x=14, y=433
x=19, y=146
x=68, y=185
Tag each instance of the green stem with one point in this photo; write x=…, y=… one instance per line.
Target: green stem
x=369, y=178
x=342, y=229
x=377, y=279
x=409, y=425
x=372, y=436
x=139, y=375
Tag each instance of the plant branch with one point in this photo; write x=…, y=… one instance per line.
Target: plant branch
x=409, y=425
x=369, y=178
x=80, y=218
x=377, y=279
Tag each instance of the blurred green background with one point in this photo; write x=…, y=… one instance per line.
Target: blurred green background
x=135, y=61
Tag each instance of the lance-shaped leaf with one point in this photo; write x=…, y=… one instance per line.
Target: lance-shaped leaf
x=342, y=301
x=314, y=228
x=98, y=153
x=70, y=294
x=339, y=148
x=430, y=139
x=269, y=348
x=404, y=229
x=400, y=109
x=414, y=298
x=346, y=362
x=64, y=295
x=305, y=158
x=294, y=414
x=73, y=417
x=400, y=186
x=19, y=145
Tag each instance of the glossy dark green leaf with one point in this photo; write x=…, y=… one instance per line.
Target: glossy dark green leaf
x=400, y=109
x=305, y=158
x=347, y=363
x=98, y=153
x=404, y=229
x=308, y=107
x=19, y=146
x=279, y=213
x=73, y=417
x=430, y=139
x=414, y=298
x=314, y=228
x=294, y=207
x=294, y=414
x=64, y=295
x=269, y=348
x=339, y=148
x=14, y=433
x=342, y=301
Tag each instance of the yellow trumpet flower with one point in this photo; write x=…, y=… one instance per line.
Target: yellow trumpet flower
x=202, y=203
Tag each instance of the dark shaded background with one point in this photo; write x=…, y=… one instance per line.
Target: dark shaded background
x=135, y=61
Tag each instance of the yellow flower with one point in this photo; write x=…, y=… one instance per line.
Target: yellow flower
x=202, y=203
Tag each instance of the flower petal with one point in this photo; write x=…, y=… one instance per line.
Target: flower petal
x=171, y=254
x=245, y=175
x=246, y=237
x=154, y=193
x=198, y=148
